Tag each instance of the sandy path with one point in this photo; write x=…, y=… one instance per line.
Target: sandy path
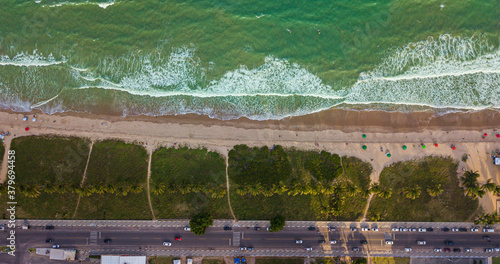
x=223, y=138
x=150, y=152
x=84, y=177
x=227, y=185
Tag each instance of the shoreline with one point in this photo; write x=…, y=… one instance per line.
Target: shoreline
x=337, y=119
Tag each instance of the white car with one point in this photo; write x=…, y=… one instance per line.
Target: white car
x=421, y=242
x=422, y=230
x=474, y=229
x=375, y=229
x=413, y=230
x=467, y=250
x=331, y=228
x=488, y=250
x=395, y=229
x=187, y=228
x=389, y=242
x=408, y=249
x=497, y=249
x=403, y=229
x=353, y=229
x=333, y=242
x=365, y=229
x=167, y=244
x=454, y=229
x=309, y=248
x=243, y=248
x=298, y=241
x=438, y=250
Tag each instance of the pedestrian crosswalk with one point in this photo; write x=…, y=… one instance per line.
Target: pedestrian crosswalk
x=236, y=239
x=93, y=238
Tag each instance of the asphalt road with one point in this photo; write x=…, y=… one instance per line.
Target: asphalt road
x=216, y=239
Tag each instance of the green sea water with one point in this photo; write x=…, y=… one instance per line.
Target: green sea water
x=259, y=59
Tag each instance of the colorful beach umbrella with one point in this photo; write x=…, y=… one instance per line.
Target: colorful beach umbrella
x=436, y=144
x=364, y=147
x=498, y=135
x=389, y=155
x=27, y=128
x=453, y=147
x=485, y=134
x=404, y=147
x=364, y=135
x=423, y=146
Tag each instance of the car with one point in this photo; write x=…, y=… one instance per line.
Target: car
x=375, y=229
x=331, y=228
x=49, y=227
x=249, y=248
x=422, y=230
x=333, y=242
x=311, y=228
x=403, y=229
x=497, y=249
x=413, y=230
x=449, y=243
x=268, y=229
x=454, y=229
x=457, y=250
x=389, y=242
x=462, y=229
x=309, y=248
x=438, y=250
x=474, y=229
x=488, y=250
x=486, y=237
x=365, y=229
x=355, y=249
x=363, y=242
x=49, y=240
x=298, y=241
x=257, y=228
x=2, y=227
x=107, y=241
x=167, y=244
x=187, y=228
x=421, y=242
x=408, y=249
x=445, y=229
x=488, y=230
x=55, y=246
x=430, y=229
x=395, y=229
x=467, y=249
x=178, y=238
x=322, y=241
x=353, y=229
x=227, y=228
x=446, y=249
x=243, y=248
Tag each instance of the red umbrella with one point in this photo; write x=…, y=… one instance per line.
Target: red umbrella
x=498, y=135
x=485, y=134
x=435, y=144
x=453, y=148
x=27, y=128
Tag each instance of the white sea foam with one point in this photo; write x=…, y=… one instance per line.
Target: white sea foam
x=26, y=60
x=101, y=5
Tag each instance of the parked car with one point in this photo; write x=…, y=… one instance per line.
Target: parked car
x=430, y=229
x=474, y=229
x=421, y=242
x=445, y=229
x=365, y=229
x=55, y=246
x=243, y=248
x=497, y=249
x=250, y=248
x=298, y=241
x=408, y=249
x=257, y=228
x=355, y=249
x=467, y=249
x=227, y=228
x=389, y=242
x=438, y=250
x=454, y=229
x=488, y=250
x=187, y=228
x=375, y=229
x=107, y=241
x=395, y=229
x=331, y=228
x=322, y=241
x=457, y=250
x=446, y=249
x=333, y=242
x=309, y=248
x=413, y=229
x=449, y=243
x=167, y=244
x=403, y=229
x=363, y=242
x=311, y=228
x=49, y=227
x=462, y=229
x=486, y=237
x=422, y=230
x=353, y=229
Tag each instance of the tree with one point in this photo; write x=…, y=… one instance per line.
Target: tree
x=385, y=193
x=200, y=222
x=489, y=186
x=435, y=191
x=487, y=219
x=413, y=193
x=277, y=223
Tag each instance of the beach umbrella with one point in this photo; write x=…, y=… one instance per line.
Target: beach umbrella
x=389, y=155
x=27, y=128
x=485, y=134
x=423, y=146
x=453, y=147
x=404, y=147
x=498, y=135
x=364, y=147
x=364, y=135
x=436, y=144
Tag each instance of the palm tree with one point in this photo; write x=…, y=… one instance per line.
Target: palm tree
x=489, y=186
x=413, y=193
x=497, y=190
x=385, y=193
x=435, y=191
x=469, y=178
x=366, y=192
x=351, y=190
x=136, y=188
x=375, y=188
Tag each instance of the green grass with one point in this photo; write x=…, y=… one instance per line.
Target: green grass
x=120, y=164
x=43, y=161
x=279, y=261
x=2, y=151
x=212, y=261
x=450, y=205
x=496, y=261
x=382, y=260
x=179, y=170
x=161, y=260
x=296, y=167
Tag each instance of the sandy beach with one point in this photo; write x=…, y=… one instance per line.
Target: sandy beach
x=336, y=131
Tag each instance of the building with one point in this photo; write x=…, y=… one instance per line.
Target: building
x=62, y=254
x=497, y=161
x=108, y=259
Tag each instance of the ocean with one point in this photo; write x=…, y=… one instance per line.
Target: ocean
x=258, y=59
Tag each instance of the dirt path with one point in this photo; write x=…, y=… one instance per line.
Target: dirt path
x=83, y=178
x=226, y=158
x=150, y=150
x=366, y=208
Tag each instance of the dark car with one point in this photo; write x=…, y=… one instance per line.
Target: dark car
x=355, y=249
x=486, y=237
x=249, y=248
x=331, y=228
x=257, y=228
x=462, y=229
x=107, y=241
x=178, y=238
x=227, y=228
x=311, y=228
x=363, y=242
x=49, y=227
x=430, y=229
x=449, y=243
x=445, y=229
x=446, y=249
x=322, y=241
x=457, y=250
x=49, y=240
